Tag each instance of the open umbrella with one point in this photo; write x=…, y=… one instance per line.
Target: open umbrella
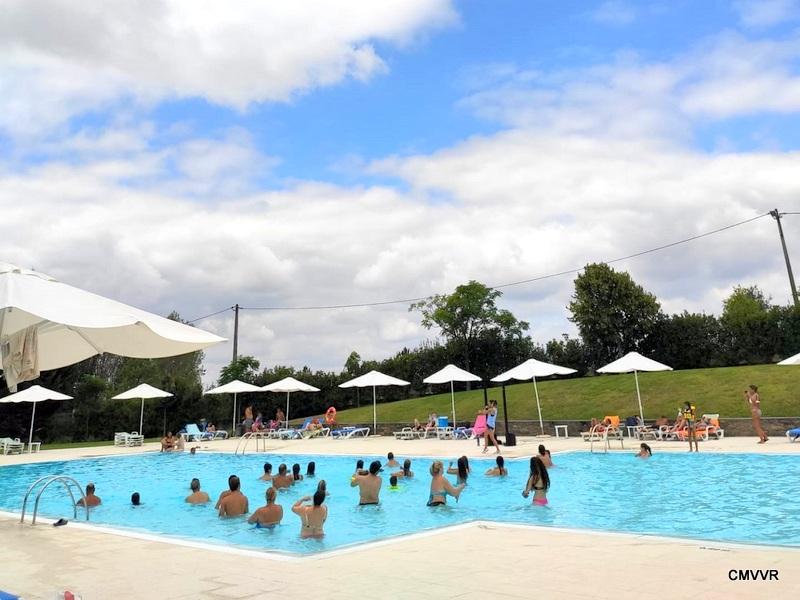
x=289, y=385
x=449, y=374
x=46, y=324
x=142, y=391
x=792, y=360
x=34, y=394
x=634, y=362
x=373, y=379
x=234, y=387
x=530, y=370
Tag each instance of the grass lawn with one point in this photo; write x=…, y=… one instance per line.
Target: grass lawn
x=62, y=445
x=711, y=390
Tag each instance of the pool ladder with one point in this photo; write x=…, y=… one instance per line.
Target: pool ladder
x=252, y=435
x=69, y=484
x=602, y=436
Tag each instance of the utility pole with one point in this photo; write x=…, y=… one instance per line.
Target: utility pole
x=777, y=216
x=236, y=332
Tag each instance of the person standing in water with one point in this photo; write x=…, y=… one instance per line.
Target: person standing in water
x=369, y=485
x=538, y=482
x=690, y=416
x=313, y=517
x=491, y=422
x=754, y=402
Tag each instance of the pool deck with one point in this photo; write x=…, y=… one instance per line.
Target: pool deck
x=464, y=561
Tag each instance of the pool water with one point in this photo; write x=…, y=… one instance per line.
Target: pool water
x=725, y=497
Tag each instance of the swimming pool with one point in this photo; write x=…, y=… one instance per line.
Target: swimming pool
x=724, y=497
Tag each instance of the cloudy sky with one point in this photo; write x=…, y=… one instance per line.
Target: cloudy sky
x=189, y=155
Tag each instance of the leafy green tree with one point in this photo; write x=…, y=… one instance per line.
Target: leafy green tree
x=686, y=341
x=568, y=352
x=244, y=368
x=750, y=327
x=466, y=315
x=614, y=314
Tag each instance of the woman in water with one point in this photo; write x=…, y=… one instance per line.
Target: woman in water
x=544, y=454
x=270, y=514
x=312, y=517
x=440, y=487
x=498, y=471
x=311, y=470
x=406, y=472
x=296, y=473
x=754, y=401
x=644, y=451
x=538, y=482
x=461, y=470
x=323, y=487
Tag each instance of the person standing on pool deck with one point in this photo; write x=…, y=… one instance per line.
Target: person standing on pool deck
x=491, y=421
x=313, y=517
x=538, y=482
x=369, y=485
x=235, y=502
x=754, y=401
x=440, y=487
x=270, y=514
x=197, y=497
x=690, y=416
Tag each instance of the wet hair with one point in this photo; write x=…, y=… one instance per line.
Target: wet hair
x=390, y=456
x=359, y=464
x=312, y=468
x=374, y=467
x=271, y=494
x=233, y=483
x=646, y=448
x=135, y=499
x=437, y=467
x=463, y=469
x=501, y=461
x=296, y=471
x=267, y=468
x=542, y=449
x=393, y=480
x=282, y=469
x=539, y=472
x=322, y=486
x=90, y=488
x=319, y=498
x=195, y=485
x=406, y=467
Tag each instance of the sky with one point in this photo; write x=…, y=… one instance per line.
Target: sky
x=190, y=155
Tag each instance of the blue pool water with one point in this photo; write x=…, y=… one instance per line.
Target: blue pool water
x=737, y=498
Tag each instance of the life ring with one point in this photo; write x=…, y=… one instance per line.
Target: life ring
x=330, y=415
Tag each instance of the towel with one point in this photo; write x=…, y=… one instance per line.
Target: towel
x=20, y=357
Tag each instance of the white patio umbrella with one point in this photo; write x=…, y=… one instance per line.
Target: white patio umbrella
x=34, y=394
x=449, y=374
x=530, y=370
x=234, y=387
x=792, y=360
x=46, y=324
x=373, y=379
x=142, y=391
x=634, y=362
x=289, y=385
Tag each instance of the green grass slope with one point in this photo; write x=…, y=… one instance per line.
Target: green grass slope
x=711, y=390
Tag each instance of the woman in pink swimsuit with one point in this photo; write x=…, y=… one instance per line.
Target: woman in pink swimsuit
x=538, y=482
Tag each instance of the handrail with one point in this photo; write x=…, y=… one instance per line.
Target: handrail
x=245, y=440
x=594, y=432
x=50, y=479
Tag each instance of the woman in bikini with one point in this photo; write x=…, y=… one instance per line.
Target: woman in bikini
x=498, y=471
x=538, y=482
x=440, y=487
x=313, y=517
x=461, y=470
x=754, y=400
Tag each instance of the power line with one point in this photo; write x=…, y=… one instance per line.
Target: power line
x=502, y=285
x=211, y=315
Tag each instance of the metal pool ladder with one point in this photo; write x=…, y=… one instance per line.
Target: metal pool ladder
x=69, y=484
x=252, y=435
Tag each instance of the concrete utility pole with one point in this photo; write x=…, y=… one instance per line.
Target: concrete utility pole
x=777, y=216
x=236, y=331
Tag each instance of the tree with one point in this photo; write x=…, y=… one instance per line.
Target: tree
x=244, y=368
x=466, y=315
x=750, y=327
x=686, y=341
x=614, y=314
x=567, y=352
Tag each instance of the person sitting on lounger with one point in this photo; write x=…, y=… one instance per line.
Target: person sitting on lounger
x=197, y=496
x=282, y=480
x=313, y=517
x=417, y=426
x=369, y=485
x=391, y=462
x=211, y=428
x=168, y=442
x=498, y=471
x=440, y=487
x=91, y=499
x=270, y=514
x=461, y=470
x=662, y=421
x=234, y=503
x=267, y=476
x=405, y=472
x=433, y=421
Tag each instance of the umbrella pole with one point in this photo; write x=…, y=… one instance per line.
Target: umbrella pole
x=453, y=401
x=374, y=412
x=287, y=408
x=538, y=406
x=638, y=396
x=30, y=435
x=233, y=423
x=141, y=418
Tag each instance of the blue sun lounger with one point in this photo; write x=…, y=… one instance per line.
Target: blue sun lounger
x=793, y=434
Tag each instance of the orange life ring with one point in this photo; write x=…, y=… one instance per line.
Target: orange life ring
x=330, y=415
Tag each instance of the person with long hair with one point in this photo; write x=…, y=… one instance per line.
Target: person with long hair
x=440, y=487
x=461, y=470
x=405, y=472
x=754, y=402
x=538, y=482
x=296, y=475
x=690, y=416
x=312, y=517
x=498, y=471
x=491, y=423
x=644, y=451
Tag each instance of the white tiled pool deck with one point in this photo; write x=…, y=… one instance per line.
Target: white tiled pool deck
x=469, y=561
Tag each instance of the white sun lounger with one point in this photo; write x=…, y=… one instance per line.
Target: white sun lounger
x=348, y=432
x=12, y=446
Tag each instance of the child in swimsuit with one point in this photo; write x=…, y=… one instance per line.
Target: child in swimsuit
x=538, y=482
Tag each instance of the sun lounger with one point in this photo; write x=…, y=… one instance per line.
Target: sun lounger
x=12, y=446
x=121, y=438
x=135, y=439
x=193, y=433
x=793, y=434
x=609, y=429
x=348, y=432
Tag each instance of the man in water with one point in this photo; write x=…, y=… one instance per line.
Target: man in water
x=369, y=485
x=167, y=442
x=197, y=496
x=234, y=503
x=282, y=479
x=270, y=514
x=91, y=499
x=391, y=462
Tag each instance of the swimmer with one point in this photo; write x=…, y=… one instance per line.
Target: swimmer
x=323, y=487
x=224, y=493
x=498, y=471
x=369, y=485
x=538, y=482
x=168, y=442
x=136, y=499
x=91, y=499
x=193, y=449
x=311, y=469
x=197, y=497
x=234, y=503
x=391, y=462
x=544, y=454
x=393, y=487
x=270, y=514
x=282, y=480
x=440, y=487
x=406, y=472
x=267, y=476
x=461, y=470
x=644, y=451
x=296, y=476
x=313, y=517
x=360, y=467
